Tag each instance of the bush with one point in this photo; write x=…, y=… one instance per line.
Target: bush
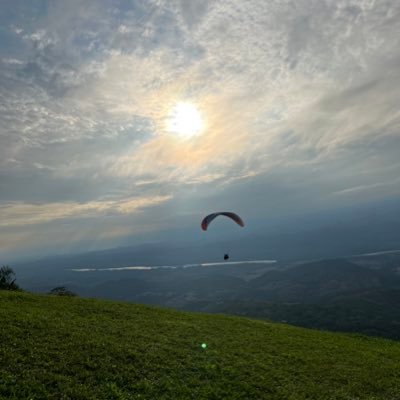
x=61, y=291
x=7, y=279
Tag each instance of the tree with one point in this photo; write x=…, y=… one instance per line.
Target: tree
x=7, y=279
x=62, y=291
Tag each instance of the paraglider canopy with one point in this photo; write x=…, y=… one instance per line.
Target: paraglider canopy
x=210, y=217
x=207, y=220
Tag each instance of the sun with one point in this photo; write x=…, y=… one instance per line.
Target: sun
x=184, y=120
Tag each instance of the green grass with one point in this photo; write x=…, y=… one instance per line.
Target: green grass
x=73, y=348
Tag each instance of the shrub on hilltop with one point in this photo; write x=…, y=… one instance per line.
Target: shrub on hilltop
x=62, y=291
x=7, y=279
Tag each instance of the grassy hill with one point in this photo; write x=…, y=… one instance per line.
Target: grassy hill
x=74, y=348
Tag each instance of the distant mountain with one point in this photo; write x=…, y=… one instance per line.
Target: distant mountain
x=329, y=294
x=318, y=281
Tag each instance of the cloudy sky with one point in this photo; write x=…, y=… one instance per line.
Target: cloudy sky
x=121, y=120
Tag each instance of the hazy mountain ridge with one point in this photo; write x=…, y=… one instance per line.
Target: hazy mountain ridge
x=319, y=280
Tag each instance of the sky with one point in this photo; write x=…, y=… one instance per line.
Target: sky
x=122, y=121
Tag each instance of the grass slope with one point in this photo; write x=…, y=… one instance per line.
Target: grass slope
x=73, y=348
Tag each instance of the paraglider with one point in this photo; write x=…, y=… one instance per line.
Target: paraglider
x=209, y=218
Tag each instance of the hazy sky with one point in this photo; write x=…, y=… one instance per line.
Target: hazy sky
x=298, y=102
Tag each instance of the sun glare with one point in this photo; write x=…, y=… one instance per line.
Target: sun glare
x=184, y=120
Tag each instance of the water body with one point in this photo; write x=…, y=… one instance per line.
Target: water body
x=377, y=253
x=146, y=267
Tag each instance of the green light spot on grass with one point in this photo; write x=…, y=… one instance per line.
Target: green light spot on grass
x=203, y=345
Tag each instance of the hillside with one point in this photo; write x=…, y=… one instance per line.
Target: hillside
x=73, y=348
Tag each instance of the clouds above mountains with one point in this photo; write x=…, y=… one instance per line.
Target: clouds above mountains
x=297, y=97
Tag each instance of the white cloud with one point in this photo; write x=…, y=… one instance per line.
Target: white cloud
x=302, y=86
x=22, y=214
